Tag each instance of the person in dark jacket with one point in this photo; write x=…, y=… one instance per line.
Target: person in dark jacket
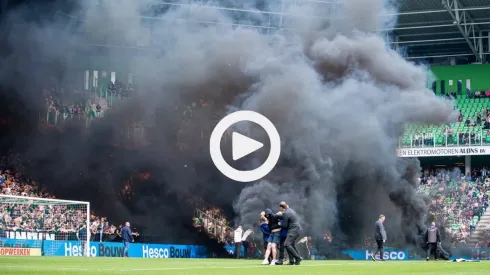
x=432, y=238
x=127, y=237
x=274, y=237
x=290, y=222
x=284, y=234
x=266, y=232
x=380, y=237
x=82, y=237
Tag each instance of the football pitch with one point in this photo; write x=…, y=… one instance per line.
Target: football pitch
x=79, y=265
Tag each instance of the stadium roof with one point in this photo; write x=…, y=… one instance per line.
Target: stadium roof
x=426, y=29
x=444, y=28
x=429, y=30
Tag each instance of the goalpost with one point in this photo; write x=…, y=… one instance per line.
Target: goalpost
x=48, y=227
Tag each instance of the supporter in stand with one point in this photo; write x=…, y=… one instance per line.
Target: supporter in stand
x=212, y=220
x=485, y=238
x=62, y=219
x=459, y=202
x=69, y=104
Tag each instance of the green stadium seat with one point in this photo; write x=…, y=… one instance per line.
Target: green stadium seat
x=469, y=109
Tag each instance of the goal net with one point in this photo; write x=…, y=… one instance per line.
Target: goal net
x=44, y=227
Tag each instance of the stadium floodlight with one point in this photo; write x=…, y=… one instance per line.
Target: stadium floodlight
x=45, y=225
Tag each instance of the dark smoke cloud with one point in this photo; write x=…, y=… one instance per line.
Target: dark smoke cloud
x=340, y=105
x=337, y=95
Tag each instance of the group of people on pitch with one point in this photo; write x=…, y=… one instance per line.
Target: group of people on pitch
x=432, y=239
x=280, y=230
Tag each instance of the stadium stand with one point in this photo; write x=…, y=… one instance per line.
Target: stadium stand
x=64, y=105
x=214, y=223
x=212, y=220
x=68, y=105
x=459, y=202
x=472, y=127
x=59, y=219
x=481, y=235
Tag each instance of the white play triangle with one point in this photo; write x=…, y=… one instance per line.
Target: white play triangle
x=242, y=145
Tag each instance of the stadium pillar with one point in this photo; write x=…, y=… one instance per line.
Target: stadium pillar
x=480, y=46
x=283, y=7
x=467, y=164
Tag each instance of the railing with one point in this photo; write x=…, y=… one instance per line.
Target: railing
x=54, y=117
x=113, y=96
x=446, y=138
x=212, y=226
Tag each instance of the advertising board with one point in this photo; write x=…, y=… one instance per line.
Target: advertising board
x=109, y=249
x=443, y=151
x=16, y=247
x=13, y=251
x=399, y=255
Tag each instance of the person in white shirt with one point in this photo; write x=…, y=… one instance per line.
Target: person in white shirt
x=245, y=243
x=238, y=241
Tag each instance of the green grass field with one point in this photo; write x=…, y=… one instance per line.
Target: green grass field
x=75, y=265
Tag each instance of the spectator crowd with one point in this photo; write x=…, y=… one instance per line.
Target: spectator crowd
x=62, y=220
x=68, y=105
x=458, y=201
x=211, y=219
x=480, y=118
x=471, y=128
x=118, y=89
x=64, y=105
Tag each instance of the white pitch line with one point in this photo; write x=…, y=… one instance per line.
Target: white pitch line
x=190, y=268
x=247, y=266
x=219, y=267
x=48, y=268
x=162, y=268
